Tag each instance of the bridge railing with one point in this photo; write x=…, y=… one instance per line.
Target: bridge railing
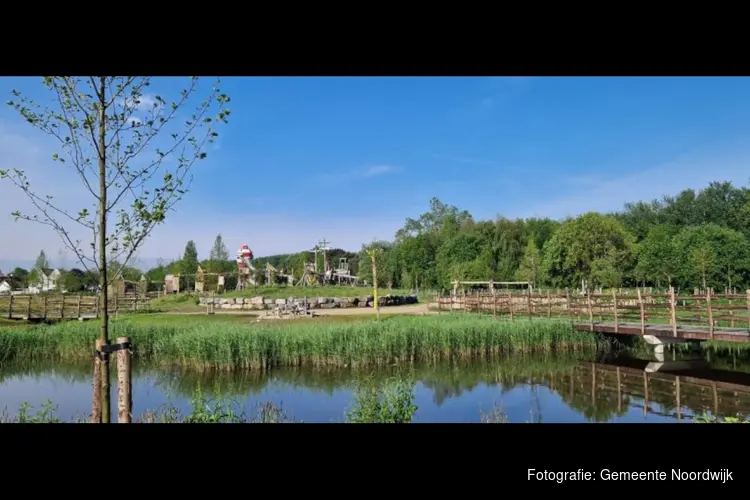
x=68, y=306
x=709, y=310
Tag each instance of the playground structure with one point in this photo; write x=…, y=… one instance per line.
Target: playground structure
x=329, y=276
x=245, y=268
x=274, y=275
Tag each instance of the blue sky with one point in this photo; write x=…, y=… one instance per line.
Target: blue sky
x=348, y=159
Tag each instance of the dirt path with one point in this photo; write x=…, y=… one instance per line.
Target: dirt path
x=418, y=309
x=369, y=311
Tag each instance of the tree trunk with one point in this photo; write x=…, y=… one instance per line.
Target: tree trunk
x=103, y=281
x=703, y=275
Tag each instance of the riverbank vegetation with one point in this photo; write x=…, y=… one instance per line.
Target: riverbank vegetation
x=229, y=346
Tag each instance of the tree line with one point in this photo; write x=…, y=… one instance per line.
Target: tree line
x=698, y=238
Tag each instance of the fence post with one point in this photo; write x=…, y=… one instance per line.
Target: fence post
x=710, y=314
x=98, y=305
x=494, y=300
x=614, y=306
x=591, y=310
x=673, y=311
x=80, y=298
x=643, y=312
x=96, y=405
x=528, y=303
x=748, y=308
x=10, y=306
x=124, y=382
x=28, y=309
x=62, y=306
x=510, y=304
x=44, y=307
x=569, y=303
x=549, y=306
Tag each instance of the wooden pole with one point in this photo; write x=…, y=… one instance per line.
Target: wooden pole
x=549, y=306
x=643, y=312
x=614, y=306
x=528, y=303
x=710, y=313
x=10, y=306
x=124, y=383
x=672, y=311
x=677, y=397
x=619, y=391
x=96, y=405
x=80, y=298
x=494, y=300
x=569, y=304
x=748, y=308
x=28, y=309
x=44, y=307
x=510, y=304
x=62, y=307
x=591, y=310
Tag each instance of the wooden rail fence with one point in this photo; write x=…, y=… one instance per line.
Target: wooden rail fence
x=708, y=309
x=67, y=306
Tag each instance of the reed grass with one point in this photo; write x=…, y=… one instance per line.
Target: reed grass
x=261, y=346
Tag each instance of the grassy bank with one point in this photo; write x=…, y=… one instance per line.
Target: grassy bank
x=227, y=346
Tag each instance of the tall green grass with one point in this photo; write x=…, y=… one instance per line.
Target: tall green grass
x=265, y=345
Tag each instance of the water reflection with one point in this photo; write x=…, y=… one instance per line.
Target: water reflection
x=559, y=388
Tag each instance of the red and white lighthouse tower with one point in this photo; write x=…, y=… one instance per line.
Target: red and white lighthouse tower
x=245, y=269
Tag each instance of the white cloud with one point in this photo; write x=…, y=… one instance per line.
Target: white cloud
x=20, y=241
x=729, y=161
x=378, y=170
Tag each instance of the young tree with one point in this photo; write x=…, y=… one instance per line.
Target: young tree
x=530, y=268
x=189, y=262
x=219, y=255
x=41, y=262
x=133, y=154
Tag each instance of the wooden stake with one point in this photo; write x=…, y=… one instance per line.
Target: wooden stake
x=672, y=311
x=80, y=298
x=44, y=307
x=62, y=307
x=124, y=383
x=549, y=306
x=28, y=309
x=10, y=307
x=494, y=300
x=510, y=305
x=96, y=405
x=619, y=391
x=677, y=397
x=710, y=314
x=614, y=305
x=748, y=309
x=591, y=310
x=643, y=312
x=570, y=304
x=528, y=303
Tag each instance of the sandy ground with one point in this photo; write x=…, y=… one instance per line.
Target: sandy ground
x=414, y=309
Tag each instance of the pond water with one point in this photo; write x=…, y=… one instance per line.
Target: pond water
x=549, y=388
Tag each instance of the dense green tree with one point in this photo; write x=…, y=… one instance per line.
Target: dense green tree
x=189, y=261
x=570, y=255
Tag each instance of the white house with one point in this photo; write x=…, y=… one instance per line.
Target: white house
x=5, y=287
x=47, y=281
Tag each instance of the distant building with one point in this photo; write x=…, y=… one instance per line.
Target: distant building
x=47, y=281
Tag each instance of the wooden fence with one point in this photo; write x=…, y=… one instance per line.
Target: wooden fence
x=709, y=309
x=67, y=306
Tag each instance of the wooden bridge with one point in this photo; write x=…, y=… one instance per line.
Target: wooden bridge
x=67, y=306
x=694, y=317
x=700, y=389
